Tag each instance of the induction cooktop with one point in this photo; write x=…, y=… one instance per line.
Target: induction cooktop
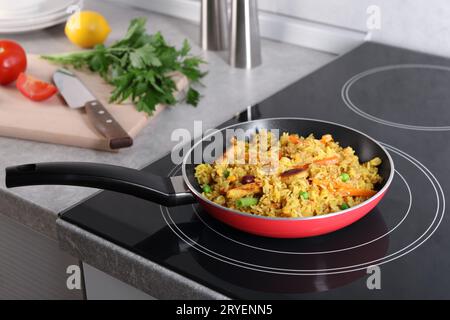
x=399, y=97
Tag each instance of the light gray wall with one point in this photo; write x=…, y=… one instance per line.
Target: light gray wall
x=422, y=25
x=334, y=25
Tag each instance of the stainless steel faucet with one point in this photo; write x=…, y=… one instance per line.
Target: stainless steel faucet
x=245, y=44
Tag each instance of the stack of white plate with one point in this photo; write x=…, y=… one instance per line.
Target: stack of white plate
x=27, y=15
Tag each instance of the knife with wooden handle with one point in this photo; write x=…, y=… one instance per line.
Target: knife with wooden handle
x=77, y=95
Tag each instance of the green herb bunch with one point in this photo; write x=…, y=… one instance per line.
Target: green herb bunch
x=139, y=67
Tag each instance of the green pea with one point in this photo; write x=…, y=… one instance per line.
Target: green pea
x=226, y=174
x=207, y=188
x=304, y=195
x=344, y=206
x=246, y=202
x=345, y=177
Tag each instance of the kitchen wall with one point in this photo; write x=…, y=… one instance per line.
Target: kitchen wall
x=337, y=26
x=416, y=24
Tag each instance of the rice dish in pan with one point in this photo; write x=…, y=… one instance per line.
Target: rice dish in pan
x=310, y=176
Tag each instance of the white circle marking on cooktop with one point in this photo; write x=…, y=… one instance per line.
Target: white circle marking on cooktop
x=439, y=214
x=317, y=252
x=349, y=103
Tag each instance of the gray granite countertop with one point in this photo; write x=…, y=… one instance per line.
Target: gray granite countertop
x=226, y=92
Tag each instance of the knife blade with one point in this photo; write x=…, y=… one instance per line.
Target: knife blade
x=77, y=95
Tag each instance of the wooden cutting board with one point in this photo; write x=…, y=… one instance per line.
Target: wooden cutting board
x=53, y=122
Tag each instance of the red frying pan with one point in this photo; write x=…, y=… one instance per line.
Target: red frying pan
x=185, y=189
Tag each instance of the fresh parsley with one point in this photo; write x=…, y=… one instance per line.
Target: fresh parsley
x=139, y=67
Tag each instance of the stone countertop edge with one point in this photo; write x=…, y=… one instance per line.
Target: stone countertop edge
x=130, y=268
x=28, y=214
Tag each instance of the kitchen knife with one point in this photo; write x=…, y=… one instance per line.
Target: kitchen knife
x=77, y=95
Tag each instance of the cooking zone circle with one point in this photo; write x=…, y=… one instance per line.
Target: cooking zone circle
x=399, y=95
x=359, y=245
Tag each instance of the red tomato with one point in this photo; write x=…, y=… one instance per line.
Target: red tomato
x=13, y=61
x=33, y=88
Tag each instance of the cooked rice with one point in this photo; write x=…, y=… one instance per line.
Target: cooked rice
x=326, y=178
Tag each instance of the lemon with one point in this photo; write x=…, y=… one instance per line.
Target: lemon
x=87, y=29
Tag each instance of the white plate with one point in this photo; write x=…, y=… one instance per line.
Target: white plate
x=33, y=21
x=19, y=6
x=31, y=8
x=32, y=27
x=41, y=22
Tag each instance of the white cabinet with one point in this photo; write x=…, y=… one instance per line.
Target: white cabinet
x=31, y=265
x=101, y=286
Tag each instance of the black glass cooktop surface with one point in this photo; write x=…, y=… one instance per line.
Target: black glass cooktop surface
x=399, y=97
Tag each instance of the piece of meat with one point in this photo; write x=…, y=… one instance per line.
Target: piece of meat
x=243, y=191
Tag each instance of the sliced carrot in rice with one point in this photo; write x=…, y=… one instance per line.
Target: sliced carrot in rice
x=327, y=161
x=353, y=192
x=346, y=190
x=294, y=139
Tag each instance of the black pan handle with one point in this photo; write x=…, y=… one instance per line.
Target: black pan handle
x=163, y=190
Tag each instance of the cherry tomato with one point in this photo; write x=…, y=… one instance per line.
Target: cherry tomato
x=13, y=61
x=33, y=88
